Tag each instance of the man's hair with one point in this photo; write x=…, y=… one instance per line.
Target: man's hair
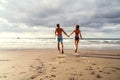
x=58, y=25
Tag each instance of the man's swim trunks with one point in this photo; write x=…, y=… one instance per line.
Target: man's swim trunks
x=59, y=38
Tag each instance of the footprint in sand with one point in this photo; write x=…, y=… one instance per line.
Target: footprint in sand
x=49, y=77
x=22, y=72
x=36, y=68
x=98, y=76
x=3, y=76
x=61, y=56
x=73, y=78
x=93, y=72
x=93, y=63
x=53, y=75
x=78, y=61
x=77, y=74
x=38, y=59
x=32, y=77
x=4, y=60
x=77, y=55
x=53, y=69
x=108, y=70
x=89, y=68
x=60, y=60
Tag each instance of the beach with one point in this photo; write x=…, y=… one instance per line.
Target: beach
x=48, y=64
x=35, y=33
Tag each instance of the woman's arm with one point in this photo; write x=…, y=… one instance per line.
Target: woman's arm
x=72, y=32
x=80, y=35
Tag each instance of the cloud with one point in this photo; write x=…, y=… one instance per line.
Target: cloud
x=31, y=16
x=44, y=12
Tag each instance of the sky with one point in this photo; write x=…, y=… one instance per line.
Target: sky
x=38, y=18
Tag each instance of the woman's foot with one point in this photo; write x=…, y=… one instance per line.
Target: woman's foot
x=75, y=50
x=76, y=54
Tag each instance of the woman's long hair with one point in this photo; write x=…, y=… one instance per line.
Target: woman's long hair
x=77, y=27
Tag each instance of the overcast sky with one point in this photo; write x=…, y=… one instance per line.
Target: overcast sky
x=38, y=18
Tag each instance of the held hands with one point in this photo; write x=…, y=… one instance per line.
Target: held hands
x=68, y=36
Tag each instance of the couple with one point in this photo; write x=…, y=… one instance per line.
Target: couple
x=58, y=34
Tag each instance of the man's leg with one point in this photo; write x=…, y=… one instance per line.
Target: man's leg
x=58, y=47
x=62, y=47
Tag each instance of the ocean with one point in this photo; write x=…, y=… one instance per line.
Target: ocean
x=51, y=43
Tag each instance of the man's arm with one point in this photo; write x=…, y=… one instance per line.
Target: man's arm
x=55, y=32
x=65, y=33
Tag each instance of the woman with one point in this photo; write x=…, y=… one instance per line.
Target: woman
x=77, y=37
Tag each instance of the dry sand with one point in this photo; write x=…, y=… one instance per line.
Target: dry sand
x=48, y=64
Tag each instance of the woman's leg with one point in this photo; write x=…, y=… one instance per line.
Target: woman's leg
x=76, y=45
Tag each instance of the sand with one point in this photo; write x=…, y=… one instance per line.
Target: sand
x=48, y=64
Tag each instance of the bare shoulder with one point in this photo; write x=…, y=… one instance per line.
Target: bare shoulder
x=79, y=30
x=55, y=28
x=61, y=29
x=74, y=30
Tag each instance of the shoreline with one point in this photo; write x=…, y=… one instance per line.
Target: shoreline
x=56, y=49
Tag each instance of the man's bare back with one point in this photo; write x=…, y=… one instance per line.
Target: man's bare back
x=58, y=31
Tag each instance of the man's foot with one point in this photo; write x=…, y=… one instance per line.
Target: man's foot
x=61, y=56
x=58, y=51
x=62, y=52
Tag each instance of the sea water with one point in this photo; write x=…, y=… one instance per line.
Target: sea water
x=51, y=43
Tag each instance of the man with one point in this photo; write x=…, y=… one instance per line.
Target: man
x=58, y=34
